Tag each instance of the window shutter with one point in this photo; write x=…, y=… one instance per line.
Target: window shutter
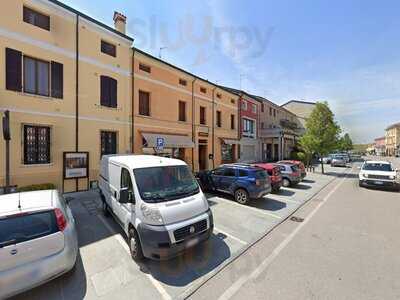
x=13, y=70
x=104, y=91
x=57, y=80
x=113, y=92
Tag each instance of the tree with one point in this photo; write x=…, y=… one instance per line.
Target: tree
x=345, y=143
x=322, y=132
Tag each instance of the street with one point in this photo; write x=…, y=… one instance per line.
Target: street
x=346, y=248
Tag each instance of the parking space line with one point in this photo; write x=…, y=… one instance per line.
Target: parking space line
x=231, y=236
x=288, y=200
x=124, y=245
x=249, y=207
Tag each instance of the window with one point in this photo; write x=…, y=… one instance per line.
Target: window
x=244, y=105
x=219, y=119
x=145, y=68
x=274, y=113
x=126, y=181
x=37, y=19
x=232, y=121
x=254, y=108
x=108, y=48
x=243, y=173
x=262, y=125
x=36, y=77
x=227, y=153
x=203, y=90
x=202, y=115
x=248, y=128
x=108, y=91
x=270, y=111
x=182, y=111
x=233, y=101
x=36, y=145
x=182, y=82
x=108, y=142
x=230, y=172
x=144, y=103
x=262, y=107
x=219, y=96
x=218, y=172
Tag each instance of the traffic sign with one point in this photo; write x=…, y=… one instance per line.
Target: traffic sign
x=160, y=143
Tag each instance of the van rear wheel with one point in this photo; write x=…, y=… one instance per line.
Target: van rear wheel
x=134, y=246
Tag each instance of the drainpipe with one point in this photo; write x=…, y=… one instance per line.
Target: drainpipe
x=239, y=124
x=193, y=123
x=77, y=92
x=213, y=126
x=133, y=101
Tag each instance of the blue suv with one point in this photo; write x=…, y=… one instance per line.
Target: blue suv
x=242, y=181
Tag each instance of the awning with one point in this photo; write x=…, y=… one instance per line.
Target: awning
x=171, y=141
x=230, y=142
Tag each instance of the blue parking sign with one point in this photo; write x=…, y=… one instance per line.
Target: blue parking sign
x=160, y=143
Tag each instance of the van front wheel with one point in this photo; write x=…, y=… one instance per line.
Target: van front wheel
x=135, y=246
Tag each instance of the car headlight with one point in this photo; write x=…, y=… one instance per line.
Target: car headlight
x=392, y=177
x=151, y=214
x=365, y=175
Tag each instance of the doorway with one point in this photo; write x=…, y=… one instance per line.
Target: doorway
x=276, y=152
x=202, y=157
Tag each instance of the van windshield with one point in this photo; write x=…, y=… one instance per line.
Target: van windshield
x=160, y=184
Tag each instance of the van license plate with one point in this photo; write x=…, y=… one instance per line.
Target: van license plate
x=378, y=182
x=192, y=242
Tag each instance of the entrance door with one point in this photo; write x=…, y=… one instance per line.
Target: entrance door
x=269, y=152
x=202, y=157
x=276, y=152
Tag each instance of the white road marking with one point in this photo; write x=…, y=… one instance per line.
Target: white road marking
x=234, y=288
x=287, y=200
x=124, y=245
x=231, y=236
x=259, y=210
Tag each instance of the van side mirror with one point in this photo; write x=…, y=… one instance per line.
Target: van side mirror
x=126, y=196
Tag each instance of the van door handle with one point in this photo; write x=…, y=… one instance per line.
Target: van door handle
x=115, y=195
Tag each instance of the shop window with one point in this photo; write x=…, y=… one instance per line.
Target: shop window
x=36, y=145
x=227, y=153
x=108, y=142
x=219, y=119
x=144, y=103
x=36, y=18
x=182, y=111
x=108, y=92
x=202, y=115
x=232, y=121
x=108, y=48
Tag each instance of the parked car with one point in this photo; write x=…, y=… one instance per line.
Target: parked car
x=379, y=174
x=243, y=181
x=297, y=163
x=274, y=174
x=291, y=174
x=38, y=240
x=326, y=159
x=339, y=160
x=157, y=202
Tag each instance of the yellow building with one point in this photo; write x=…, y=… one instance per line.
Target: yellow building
x=66, y=80
x=177, y=106
x=392, y=140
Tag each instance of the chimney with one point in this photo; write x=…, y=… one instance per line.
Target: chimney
x=119, y=22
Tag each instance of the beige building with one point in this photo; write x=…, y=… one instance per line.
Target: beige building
x=66, y=80
x=301, y=109
x=196, y=119
x=392, y=140
x=279, y=131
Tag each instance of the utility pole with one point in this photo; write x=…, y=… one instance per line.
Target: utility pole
x=7, y=138
x=159, y=53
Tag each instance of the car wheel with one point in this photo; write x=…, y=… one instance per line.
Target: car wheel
x=135, y=246
x=241, y=196
x=360, y=183
x=286, y=182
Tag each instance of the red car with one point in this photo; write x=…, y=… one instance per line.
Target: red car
x=274, y=173
x=297, y=163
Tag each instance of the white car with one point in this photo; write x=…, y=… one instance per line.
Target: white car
x=38, y=240
x=379, y=174
x=157, y=202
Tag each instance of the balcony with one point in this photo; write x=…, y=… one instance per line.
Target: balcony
x=287, y=124
x=270, y=132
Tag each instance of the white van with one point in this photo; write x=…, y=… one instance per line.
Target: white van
x=158, y=203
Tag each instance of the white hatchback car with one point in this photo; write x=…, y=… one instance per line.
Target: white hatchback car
x=379, y=174
x=38, y=240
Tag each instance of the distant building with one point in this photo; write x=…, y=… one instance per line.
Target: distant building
x=392, y=140
x=380, y=146
x=301, y=109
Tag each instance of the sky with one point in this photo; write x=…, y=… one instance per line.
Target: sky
x=344, y=52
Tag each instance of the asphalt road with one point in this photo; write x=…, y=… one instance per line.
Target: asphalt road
x=346, y=247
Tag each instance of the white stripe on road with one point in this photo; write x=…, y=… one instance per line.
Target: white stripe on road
x=234, y=288
x=287, y=200
x=124, y=245
x=231, y=236
x=259, y=210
